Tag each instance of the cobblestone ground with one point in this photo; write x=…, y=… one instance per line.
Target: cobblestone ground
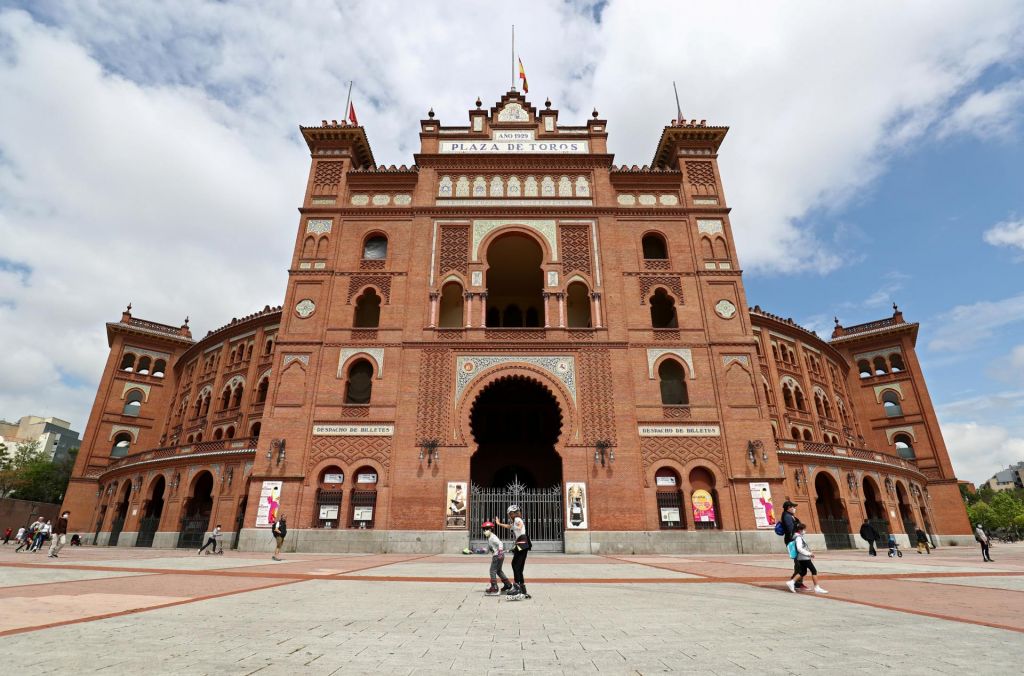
x=128, y=611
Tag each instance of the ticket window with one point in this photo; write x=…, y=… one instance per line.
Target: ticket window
x=329, y=497
x=704, y=500
x=364, y=498
x=670, y=499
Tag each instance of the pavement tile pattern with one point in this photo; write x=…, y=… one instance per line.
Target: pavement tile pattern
x=128, y=611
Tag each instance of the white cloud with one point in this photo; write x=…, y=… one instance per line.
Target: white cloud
x=965, y=326
x=978, y=451
x=148, y=150
x=987, y=114
x=1006, y=233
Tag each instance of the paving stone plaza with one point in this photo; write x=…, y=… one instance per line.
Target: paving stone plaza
x=128, y=611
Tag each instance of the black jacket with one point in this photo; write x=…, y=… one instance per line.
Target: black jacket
x=868, y=532
x=280, y=528
x=789, y=525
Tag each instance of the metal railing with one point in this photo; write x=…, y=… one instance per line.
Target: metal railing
x=837, y=533
x=116, y=526
x=147, y=531
x=192, y=531
x=238, y=443
x=542, y=511
x=786, y=446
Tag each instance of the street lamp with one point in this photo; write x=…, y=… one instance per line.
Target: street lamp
x=428, y=450
x=603, y=450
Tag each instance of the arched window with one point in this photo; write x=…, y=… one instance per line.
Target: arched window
x=452, y=306
x=880, y=367
x=775, y=351
x=359, y=384
x=225, y=398
x=199, y=437
x=144, y=366
x=787, y=396
x=807, y=435
x=654, y=247
x=577, y=306
x=230, y=433
x=122, y=442
x=236, y=399
x=721, y=249
x=375, y=248
x=707, y=251
x=308, y=247
x=818, y=406
x=670, y=499
x=512, y=316
x=767, y=392
x=904, y=446
x=367, y=310
x=706, y=513
x=248, y=351
x=231, y=356
x=673, y=384
x=896, y=362
x=262, y=389
x=891, y=403
x=128, y=362
x=190, y=439
x=254, y=431
x=132, y=403
x=663, y=311
x=206, y=404
x=798, y=395
x=159, y=368
x=218, y=434
x=795, y=433
x=321, y=247
x=515, y=281
x=268, y=347
x=828, y=408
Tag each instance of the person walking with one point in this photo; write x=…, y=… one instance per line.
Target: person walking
x=982, y=538
x=868, y=532
x=497, y=549
x=60, y=533
x=922, y=542
x=42, y=535
x=520, y=549
x=213, y=540
x=279, y=530
x=803, y=559
x=7, y=536
x=21, y=535
x=789, y=522
x=29, y=534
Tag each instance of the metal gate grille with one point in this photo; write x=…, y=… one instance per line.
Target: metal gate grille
x=670, y=509
x=147, y=530
x=881, y=527
x=115, y=531
x=837, y=533
x=192, y=531
x=542, y=510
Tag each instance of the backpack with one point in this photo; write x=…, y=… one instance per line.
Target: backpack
x=780, y=529
x=792, y=549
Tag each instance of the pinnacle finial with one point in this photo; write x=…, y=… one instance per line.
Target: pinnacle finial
x=129, y=309
x=547, y=102
x=594, y=114
x=895, y=308
x=478, y=102
x=186, y=321
x=836, y=319
x=430, y=113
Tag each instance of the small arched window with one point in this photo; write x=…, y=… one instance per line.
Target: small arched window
x=787, y=396
x=375, y=248
x=248, y=351
x=880, y=366
x=268, y=347
x=828, y=408
x=819, y=406
x=230, y=434
x=775, y=351
x=144, y=365
x=807, y=435
x=159, y=368
x=367, y=310
x=236, y=399
x=864, y=368
x=359, y=385
x=218, y=434
x=578, y=306
x=663, y=311
x=225, y=398
x=122, y=442
x=896, y=362
x=133, y=403
x=262, y=389
x=795, y=433
x=721, y=249
x=254, y=431
x=128, y=362
x=904, y=446
x=673, y=384
x=654, y=247
x=308, y=246
x=767, y=392
x=891, y=403
x=452, y=306
x=798, y=395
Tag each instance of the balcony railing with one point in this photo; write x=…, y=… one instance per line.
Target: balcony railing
x=819, y=448
x=185, y=449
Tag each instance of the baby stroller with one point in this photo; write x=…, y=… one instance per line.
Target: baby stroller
x=76, y=541
x=894, y=549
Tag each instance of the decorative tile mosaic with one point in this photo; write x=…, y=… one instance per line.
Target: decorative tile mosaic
x=545, y=228
x=360, y=200
x=319, y=226
x=305, y=308
x=682, y=353
x=710, y=226
x=376, y=352
x=468, y=368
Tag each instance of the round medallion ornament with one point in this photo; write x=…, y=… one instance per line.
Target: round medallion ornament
x=725, y=309
x=305, y=308
x=562, y=366
x=469, y=367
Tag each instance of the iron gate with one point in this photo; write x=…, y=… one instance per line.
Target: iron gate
x=115, y=531
x=147, y=530
x=882, y=528
x=837, y=533
x=541, y=507
x=192, y=531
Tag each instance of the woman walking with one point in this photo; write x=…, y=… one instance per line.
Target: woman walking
x=519, y=550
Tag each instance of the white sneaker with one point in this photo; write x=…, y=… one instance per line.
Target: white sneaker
x=819, y=590
x=792, y=586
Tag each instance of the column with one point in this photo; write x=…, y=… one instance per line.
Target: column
x=595, y=309
x=467, y=310
x=561, y=309
x=483, y=308
x=547, y=311
x=433, y=309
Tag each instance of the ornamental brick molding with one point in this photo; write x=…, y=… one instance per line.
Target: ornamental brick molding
x=682, y=450
x=351, y=450
x=326, y=177
x=434, y=401
x=576, y=257
x=597, y=405
x=454, y=248
x=671, y=282
x=701, y=176
x=358, y=282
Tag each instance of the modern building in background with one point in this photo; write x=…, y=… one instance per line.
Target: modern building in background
x=1008, y=479
x=513, y=319
x=55, y=436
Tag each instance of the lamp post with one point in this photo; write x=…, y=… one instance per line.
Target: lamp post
x=604, y=452
x=428, y=450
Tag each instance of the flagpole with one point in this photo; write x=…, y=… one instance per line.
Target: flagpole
x=348, y=101
x=513, y=57
x=679, y=110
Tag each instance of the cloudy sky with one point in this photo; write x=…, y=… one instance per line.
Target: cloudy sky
x=149, y=153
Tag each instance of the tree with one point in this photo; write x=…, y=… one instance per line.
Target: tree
x=30, y=475
x=8, y=475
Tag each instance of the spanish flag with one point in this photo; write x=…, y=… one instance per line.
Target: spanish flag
x=522, y=76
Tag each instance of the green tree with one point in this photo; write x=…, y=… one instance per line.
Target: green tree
x=33, y=476
x=8, y=475
x=980, y=512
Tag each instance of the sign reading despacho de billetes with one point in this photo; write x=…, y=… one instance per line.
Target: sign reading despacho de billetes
x=353, y=430
x=679, y=430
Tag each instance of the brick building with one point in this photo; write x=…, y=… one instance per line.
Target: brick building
x=513, y=319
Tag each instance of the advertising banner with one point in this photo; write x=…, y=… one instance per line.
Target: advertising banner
x=761, y=499
x=270, y=500
x=576, y=505
x=456, y=505
x=703, y=506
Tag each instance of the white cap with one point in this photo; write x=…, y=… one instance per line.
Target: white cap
x=512, y=508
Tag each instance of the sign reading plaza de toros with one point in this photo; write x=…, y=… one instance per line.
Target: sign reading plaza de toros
x=514, y=142
x=679, y=430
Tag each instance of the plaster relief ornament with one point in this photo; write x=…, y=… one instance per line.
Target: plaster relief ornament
x=513, y=112
x=305, y=308
x=725, y=309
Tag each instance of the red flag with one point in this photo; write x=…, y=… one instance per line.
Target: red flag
x=522, y=76
x=352, y=114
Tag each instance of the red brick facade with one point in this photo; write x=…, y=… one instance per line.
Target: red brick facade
x=516, y=296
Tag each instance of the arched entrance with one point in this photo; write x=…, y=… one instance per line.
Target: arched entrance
x=906, y=511
x=153, y=510
x=835, y=524
x=875, y=509
x=196, y=513
x=120, y=513
x=516, y=423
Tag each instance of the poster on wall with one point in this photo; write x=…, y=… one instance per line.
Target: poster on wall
x=270, y=501
x=362, y=514
x=329, y=512
x=670, y=515
x=456, y=505
x=576, y=505
x=764, y=508
x=703, y=506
